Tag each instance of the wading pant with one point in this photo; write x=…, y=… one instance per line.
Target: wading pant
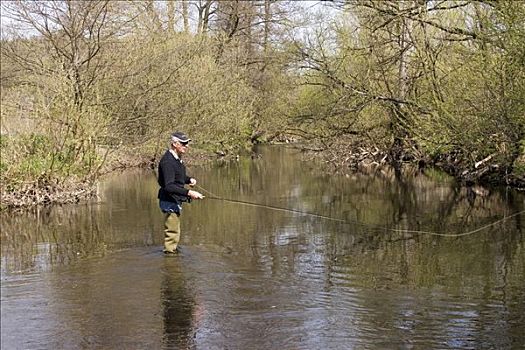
x=171, y=232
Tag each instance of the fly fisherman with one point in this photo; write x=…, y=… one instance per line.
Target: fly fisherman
x=172, y=193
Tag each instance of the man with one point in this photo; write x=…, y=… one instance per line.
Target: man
x=172, y=193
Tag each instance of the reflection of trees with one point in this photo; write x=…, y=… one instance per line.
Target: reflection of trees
x=53, y=235
x=384, y=260
x=426, y=261
x=228, y=224
x=381, y=201
x=62, y=234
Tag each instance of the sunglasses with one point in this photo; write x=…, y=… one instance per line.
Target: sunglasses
x=185, y=144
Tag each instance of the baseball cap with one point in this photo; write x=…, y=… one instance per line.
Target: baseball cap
x=180, y=136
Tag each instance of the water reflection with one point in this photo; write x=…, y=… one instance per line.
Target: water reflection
x=178, y=306
x=124, y=217
x=262, y=279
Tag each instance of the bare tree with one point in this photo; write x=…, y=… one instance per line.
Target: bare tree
x=75, y=33
x=205, y=9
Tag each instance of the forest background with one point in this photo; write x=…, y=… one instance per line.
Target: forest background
x=90, y=86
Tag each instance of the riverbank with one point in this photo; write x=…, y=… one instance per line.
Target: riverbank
x=346, y=159
x=46, y=190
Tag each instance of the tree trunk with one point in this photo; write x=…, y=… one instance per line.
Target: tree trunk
x=267, y=17
x=171, y=16
x=399, y=115
x=185, y=18
x=206, y=17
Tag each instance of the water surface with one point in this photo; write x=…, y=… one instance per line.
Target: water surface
x=92, y=276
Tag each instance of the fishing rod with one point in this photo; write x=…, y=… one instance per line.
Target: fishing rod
x=377, y=227
x=273, y=207
x=212, y=195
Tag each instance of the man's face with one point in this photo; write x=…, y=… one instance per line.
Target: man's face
x=181, y=147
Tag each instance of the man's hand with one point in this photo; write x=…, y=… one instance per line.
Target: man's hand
x=193, y=182
x=195, y=195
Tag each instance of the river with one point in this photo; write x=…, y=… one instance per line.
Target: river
x=92, y=276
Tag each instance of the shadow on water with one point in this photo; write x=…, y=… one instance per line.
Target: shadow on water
x=249, y=277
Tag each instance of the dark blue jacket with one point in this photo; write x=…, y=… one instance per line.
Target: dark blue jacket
x=172, y=178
